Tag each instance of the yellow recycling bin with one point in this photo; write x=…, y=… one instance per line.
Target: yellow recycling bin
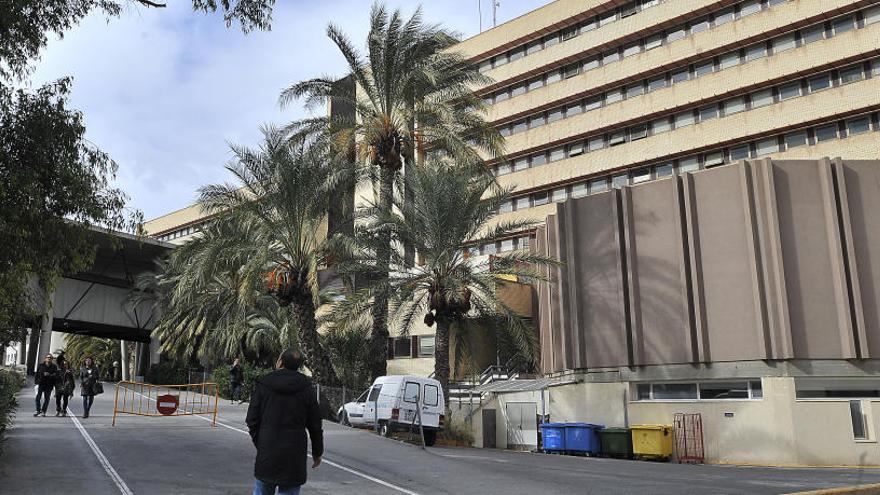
x=652, y=441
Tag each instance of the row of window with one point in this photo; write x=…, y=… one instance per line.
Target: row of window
x=567, y=33
x=192, y=229
x=781, y=44
x=731, y=106
x=411, y=346
x=502, y=246
x=631, y=48
x=747, y=389
x=761, y=147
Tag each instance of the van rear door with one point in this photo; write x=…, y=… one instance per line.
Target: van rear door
x=369, y=417
x=409, y=405
x=432, y=405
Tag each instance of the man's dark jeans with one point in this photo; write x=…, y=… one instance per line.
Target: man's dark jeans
x=236, y=391
x=44, y=392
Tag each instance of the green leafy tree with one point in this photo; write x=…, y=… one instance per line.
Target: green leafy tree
x=103, y=351
x=55, y=187
x=452, y=206
x=411, y=94
x=280, y=201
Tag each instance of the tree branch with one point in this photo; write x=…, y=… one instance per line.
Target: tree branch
x=148, y=3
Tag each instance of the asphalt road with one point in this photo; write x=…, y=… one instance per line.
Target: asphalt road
x=185, y=455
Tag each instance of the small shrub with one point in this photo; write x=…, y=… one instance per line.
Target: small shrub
x=10, y=383
x=457, y=433
x=167, y=373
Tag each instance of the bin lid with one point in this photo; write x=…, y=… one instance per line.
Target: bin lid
x=585, y=425
x=616, y=429
x=650, y=427
x=553, y=425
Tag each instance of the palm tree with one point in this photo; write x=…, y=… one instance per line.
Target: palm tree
x=103, y=351
x=452, y=206
x=207, y=311
x=410, y=94
x=280, y=204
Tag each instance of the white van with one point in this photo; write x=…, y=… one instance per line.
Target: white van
x=392, y=402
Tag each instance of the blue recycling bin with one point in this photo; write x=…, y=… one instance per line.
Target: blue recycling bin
x=583, y=438
x=553, y=437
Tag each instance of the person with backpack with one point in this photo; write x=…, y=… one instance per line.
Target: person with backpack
x=45, y=379
x=88, y=384
x=283, y=408
x=64, y=389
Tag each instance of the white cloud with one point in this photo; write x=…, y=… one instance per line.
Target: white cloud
x=164, y=90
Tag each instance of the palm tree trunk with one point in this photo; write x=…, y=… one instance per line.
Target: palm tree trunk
x=303, y=314
x=378, y=356
x=441, y=355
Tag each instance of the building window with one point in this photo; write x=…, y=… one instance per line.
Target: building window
x=812, y=34
x=713, y=159
x=749, y=8
x=819, y=83
x=539, y=159
x=680, y=76
x=541, y=198
x=664, y=170
x=402, y=347
x=661, y=125
x=571, y=71
x=557, y=154
x=859, y=425
x=872, y=15
x=575, y=149
x=616, y=138
x=607, y=17
x=784, y=43
x=795, y=139
x=559, y=195
x=684, y=119
x=554, y=115
x=739, y=152
x=700, y=26
x=708, y=113
x=703, y=69
x=789, y=91
x=723, y=17
x=520, y=164
x=762, y=98
x=842, y=25
x=537, y=120
x=689, y=164
x=598, y=185
x=755, y=52
x=851, y=74
x=610, y=57
x=676, y=34
x=657, y=83
x=635, y=90
x=573, y=109
x=534, y=47
x=591, y=63
x=579, y=190
x=619, y=180
x=638, y=132
x=521, y=203
x=766, y=146
x=632, y=49
x=596, y=143
x=641, y=175
x=722, y=390
x=520, y=126
x=728, y=60
x=613, y=96
x=489, y=248
x=593, y=103
x=507, y=245
x=858, y=126
x=653, y=41
x=826, y=132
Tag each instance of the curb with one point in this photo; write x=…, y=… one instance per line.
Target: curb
x=873, y=489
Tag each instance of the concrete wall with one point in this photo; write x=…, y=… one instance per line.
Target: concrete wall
x=756, y=260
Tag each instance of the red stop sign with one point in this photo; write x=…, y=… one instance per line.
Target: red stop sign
x=167, y=404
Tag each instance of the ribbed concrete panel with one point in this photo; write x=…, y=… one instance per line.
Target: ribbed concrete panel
x=753, y=261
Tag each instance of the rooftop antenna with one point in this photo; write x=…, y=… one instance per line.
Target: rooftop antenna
x=495, y=5
x=480, y=12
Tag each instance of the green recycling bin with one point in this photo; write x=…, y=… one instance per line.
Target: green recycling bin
x=616, y=442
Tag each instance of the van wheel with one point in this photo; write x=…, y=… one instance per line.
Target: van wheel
x=385, y=429
x=343, y=419
x=430, y=437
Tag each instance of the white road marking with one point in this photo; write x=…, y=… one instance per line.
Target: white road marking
x=123, y=488
x=324, y=461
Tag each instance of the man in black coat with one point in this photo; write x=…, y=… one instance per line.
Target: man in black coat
x=283, y=406
x=45, y=379
x=236, y=379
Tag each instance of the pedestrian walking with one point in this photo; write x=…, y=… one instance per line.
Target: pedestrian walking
x=47, y=375
x=88, y=384
x=236, y=379
x=283, y=406
x=64, y=389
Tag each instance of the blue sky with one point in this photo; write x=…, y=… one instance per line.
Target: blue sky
x=164, y=90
